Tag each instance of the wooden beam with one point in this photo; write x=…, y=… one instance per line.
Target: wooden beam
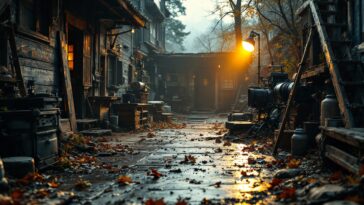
x=67, y=81
x=292, y=94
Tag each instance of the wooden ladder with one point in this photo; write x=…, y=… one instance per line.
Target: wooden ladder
x=346, y=73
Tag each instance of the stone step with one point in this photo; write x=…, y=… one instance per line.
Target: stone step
x=97, y=132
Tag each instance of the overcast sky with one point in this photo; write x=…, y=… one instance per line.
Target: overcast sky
x=197, y=20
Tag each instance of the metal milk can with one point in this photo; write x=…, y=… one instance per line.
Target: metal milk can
x=299, y=142
x=329, y=109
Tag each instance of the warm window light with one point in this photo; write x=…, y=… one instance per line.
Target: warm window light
x=70, y=57
x=248, y=45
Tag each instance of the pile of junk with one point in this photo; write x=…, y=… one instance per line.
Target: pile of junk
x=267, y=104
x=29, y=128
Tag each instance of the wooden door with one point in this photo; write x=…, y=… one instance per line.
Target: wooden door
x=204, y=90
x=87, y=82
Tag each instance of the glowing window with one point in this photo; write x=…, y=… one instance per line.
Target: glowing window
x=70, y=57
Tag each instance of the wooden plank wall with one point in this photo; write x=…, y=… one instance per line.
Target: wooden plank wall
x=38, y=63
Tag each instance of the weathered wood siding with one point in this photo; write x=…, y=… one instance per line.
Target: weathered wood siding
x=38, y=61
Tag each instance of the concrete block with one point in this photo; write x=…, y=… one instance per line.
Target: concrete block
x=19, y=167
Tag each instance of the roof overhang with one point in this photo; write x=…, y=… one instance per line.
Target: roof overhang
x=123, y=12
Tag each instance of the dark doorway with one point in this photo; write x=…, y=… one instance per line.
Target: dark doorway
x=75, y=64
x=204, y=90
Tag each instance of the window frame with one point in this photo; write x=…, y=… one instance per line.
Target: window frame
x=37, y=33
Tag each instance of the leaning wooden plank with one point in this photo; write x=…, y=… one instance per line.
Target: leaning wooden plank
x=67, y=81
x=15, y=61
x=333, y=67
x=292, y=94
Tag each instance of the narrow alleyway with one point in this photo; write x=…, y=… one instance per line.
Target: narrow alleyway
x=190, y=163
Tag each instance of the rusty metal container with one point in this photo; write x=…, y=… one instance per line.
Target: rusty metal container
x=31, y=133
x=329, y=109
x=299, y=142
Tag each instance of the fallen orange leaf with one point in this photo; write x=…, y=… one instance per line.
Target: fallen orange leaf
x=251, y=160
x=155, y=173
x=227, y=144
x=336, y=176
x=361, y=170
x=16, y=195
x=124, y=180
x=41, y=193
x=275, y=182
x=311, y=180
x=356, y=199
x=288, y=193
x=294, y=163
x=353, y=180
x=53, y=184
x=181, y=202
x=243, y=173
x=156, y=202
x=189, y=159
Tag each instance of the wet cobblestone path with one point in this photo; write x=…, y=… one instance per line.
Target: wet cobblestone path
x=194, y=164
x=190, y=164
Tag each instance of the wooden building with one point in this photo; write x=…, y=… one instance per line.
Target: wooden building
x=98, y=37
x=150, y=40
x=202, y=82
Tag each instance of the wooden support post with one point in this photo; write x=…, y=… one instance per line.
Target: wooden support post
x=67, y=81
x=292, y=94
x=15, y=61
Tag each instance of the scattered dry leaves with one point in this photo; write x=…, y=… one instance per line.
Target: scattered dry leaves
x=30, y=178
